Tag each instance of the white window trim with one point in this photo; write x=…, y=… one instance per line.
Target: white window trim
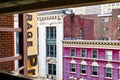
x=85, y=53
x=73, y=62
x=92, y=54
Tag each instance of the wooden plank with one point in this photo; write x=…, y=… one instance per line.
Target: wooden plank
x=48, y=5
x=10, y=29
x=19, y=69
x=10, y=58
x=23, y=42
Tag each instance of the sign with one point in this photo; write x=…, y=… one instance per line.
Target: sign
x=32, y=44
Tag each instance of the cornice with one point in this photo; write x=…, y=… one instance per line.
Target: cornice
x=92, y=44
x=51, y=17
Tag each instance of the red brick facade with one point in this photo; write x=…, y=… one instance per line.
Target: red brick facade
x=116, y=23
x=73, y=25
x=7, y=42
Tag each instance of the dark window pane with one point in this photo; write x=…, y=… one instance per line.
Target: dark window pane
x=49, y=68
x=17, y=42
x=94, y=73
x=94, y=70
x=55, y=51
x=108, y=72
x=48, y=51
x=73, y=66
x=72, y=52
x=109, y=75
x=83, y=71
x=47, y=32
x=83, y=53
x=52, y=69
x=51, y=33
x=94, y=53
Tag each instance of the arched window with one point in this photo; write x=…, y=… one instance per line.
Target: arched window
x=109, y=70
x=83, y=67
x=72, y=66
x=95, y=68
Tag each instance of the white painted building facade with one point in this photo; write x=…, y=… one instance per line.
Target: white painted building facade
x=48, y=20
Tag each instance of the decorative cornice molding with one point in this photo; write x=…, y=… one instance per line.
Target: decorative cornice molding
x=51, y=60
x=52, y=17
x=50, y=23
x=92, y=44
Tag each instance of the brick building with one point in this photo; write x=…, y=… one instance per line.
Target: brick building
x=9, y=53
x=76, y=27
x=105, y=27
x=116, y=23
x=96, y=60
x=7, y=42
x=102, y=26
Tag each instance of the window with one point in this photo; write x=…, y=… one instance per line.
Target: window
x=118, y=29
x=17, y=42
x=118, y=16
x=113, y=4
x=105, y=19
x=105, y=28
x=52, y=69
x=94, y=70
x=109, y=55
x=83, y=69
x=81, y=33
x=51, y=50
x=51, y=33
x=72, y=52
x=94, y=54
x=108, y=72
x=83, y=53
x=73, y=68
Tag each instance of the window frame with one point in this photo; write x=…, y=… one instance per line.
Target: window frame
x=106, y=55
x=105, y=20
x=74, y=52
x=108, y=73
x=85, y=53
x=82, y=69
x=92, y=54
x=52, y=69
x=71, y=67
x=97, y=71
x=48, y=52
x=48, y=33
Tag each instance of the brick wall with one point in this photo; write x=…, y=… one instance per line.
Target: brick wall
x=106, y=27
x=7, y=42
x=115, y=23
x=97, y=29
x=73, y=24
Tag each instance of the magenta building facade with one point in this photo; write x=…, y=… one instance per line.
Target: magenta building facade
x=91, y=60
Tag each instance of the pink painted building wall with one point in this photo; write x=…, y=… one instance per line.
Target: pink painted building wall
x=100, y=60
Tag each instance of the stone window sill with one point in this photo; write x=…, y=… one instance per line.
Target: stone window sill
x=83, y=73
x=73, y=72
x=109, y=78
x=94, y=75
